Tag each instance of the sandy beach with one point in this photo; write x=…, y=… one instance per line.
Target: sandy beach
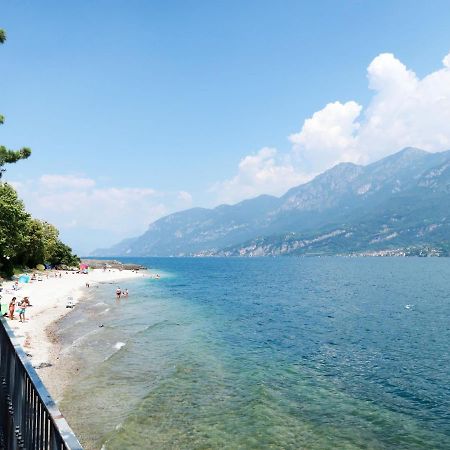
x=49, y=299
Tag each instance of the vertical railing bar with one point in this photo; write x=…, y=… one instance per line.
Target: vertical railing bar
x=30, y=412
x=25, y=409
x=38, y=425
x=37, y=406
x=23, y=406
x=33, y=422
x=42, y=427
x=38, y=416
x=46, y=432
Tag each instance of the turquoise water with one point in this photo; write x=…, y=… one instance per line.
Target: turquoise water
x=313, y=353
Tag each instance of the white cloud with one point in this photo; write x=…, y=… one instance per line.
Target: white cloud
x=75, y=203
x=185, y=197
x=328, y=137
x=404, y=111
x=263, y=172
x=446, y=61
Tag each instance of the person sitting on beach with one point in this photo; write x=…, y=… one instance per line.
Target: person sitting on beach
x=12, y=307
x=118, y=292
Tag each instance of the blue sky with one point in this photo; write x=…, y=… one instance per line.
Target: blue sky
x=135, y=109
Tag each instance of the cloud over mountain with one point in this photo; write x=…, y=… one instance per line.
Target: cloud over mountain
x=262, y=172
x=404, y=111
x=104, y=212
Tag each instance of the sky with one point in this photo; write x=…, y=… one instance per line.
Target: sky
x=137, y=109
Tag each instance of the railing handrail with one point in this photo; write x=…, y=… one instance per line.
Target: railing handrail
x=60, y=423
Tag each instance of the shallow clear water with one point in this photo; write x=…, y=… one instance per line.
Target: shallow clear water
x=314, y=353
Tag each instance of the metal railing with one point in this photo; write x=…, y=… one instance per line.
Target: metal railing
x=29, y=418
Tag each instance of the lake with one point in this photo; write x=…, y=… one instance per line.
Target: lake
x=313, y=353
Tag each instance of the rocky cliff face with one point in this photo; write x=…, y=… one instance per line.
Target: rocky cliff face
x=400, y=202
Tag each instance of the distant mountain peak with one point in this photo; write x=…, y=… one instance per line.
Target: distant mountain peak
x=343, y=168
x=345, y=165
x=406, y=153
x=402, y=199
x=411, y=151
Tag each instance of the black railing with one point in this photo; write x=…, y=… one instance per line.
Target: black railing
x=29, y=418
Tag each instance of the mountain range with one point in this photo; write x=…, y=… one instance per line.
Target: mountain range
x=399, y=205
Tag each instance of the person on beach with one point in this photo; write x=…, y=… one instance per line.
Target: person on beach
x=12, y=307
x=22, y=307
x=118, y=292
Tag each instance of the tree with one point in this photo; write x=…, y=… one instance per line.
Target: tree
x=50, y=238
x=33, y=245
x=63, y=256
x=13, y=227
x=10, y=156
x=27, y=242
x=56, y=253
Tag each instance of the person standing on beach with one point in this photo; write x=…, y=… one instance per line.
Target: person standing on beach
x=22, y=307
x=12, y=307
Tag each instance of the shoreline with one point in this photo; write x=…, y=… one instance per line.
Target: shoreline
x=49, y=297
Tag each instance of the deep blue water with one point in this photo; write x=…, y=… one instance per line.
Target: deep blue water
x=313, y=353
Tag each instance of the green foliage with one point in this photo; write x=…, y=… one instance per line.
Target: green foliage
x=27, y=242
x=33, y=250
x=11, y=156
x=62, y=255
x=13, y=225
x=55, y=252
